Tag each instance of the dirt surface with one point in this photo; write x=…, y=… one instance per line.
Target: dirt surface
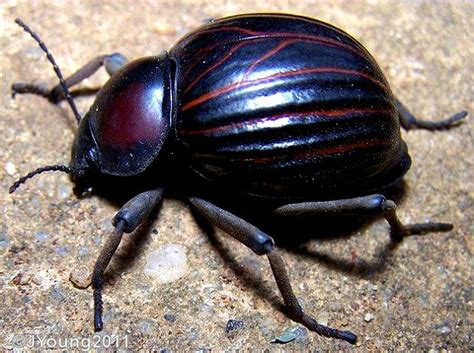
x=419, y=296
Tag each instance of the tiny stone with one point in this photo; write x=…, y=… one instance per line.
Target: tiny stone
x=3, y=241
x=368, y=317
x=64, y=191
x=57, y=294
x=233, y=325
x=323, y=318
x=167, y=264
x=62, y=250
x=41, y=236
x=443, y=327
x=289, y=335
x=83, y=250
x=80, y=276
x=146, y=326
x=170, y=317
x=10, y=168
x=164, y=28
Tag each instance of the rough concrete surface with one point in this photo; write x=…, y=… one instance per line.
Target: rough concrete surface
x=419, y=296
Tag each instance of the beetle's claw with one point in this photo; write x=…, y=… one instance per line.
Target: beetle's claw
x=457, y=119
x=349, y=337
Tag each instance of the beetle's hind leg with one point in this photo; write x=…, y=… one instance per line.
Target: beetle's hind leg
x=409, y=122
x=112, y=63
x=130, y=216
x=376, y=205
x=262, y=244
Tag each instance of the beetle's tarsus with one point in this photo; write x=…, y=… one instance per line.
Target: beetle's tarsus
x=397, y=235
x=325, y=331
x=446, y=124
x=101, y=264
x=29, y=88
x=293, y=307
x=454, y=120
x=409, y=122
x=98, y=307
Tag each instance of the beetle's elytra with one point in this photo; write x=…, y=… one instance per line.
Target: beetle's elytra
x=286, y=110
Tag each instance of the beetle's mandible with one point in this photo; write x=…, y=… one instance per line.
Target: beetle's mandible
x=283, y=110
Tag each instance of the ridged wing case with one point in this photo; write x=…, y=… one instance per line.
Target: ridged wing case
x=285, y=107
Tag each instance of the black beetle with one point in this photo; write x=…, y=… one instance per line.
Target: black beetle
x=286, y=110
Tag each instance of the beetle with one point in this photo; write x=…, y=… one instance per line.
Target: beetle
x=283, y=110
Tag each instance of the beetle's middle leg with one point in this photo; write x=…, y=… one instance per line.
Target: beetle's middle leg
x=127, y=219
x=112, y=63
x=262, y=244
x=366, y=205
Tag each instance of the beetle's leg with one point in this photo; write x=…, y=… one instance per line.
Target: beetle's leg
x=112, y=64
x=130, y=216
x=365, y=205
x=408, y=121
x=262, y=244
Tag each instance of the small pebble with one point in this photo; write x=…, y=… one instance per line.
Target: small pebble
x=64, y=191
x=167, y=264
x=233, y=325
x=83, y=250
x=146, y=326
x=170, y=317
x=295, y=333
x=57, y=294
x=41, y=236
x=4, y=241
x=10, y=168
x=443, y=327
x=62, y=250
x=164, y=28
x=323, y=318
x=80, y=276
x=368, y=317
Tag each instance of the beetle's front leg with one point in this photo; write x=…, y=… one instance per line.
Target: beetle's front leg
x=130, y=216
x=409, y=122
x=112, y=63
x=262, y=244
x=366, y=205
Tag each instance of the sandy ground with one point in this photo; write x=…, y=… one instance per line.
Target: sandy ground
x=417, y=297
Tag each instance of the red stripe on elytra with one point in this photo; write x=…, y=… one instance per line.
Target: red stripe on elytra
x=318, y=113
x=320, y=70
x=218, y=63
x=234, y=29
x=292, y=35
x=262, y=35
x=267, y=55
x=323, y=152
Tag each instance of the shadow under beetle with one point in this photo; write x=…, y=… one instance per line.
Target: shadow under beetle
x=286, y=110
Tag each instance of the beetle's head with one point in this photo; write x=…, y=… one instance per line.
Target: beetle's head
x=125, y=128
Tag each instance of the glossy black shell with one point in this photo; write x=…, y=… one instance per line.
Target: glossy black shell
x=285, y=107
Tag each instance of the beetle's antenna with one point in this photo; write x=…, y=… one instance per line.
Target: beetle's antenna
x=49, y=168
x=55, y=67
